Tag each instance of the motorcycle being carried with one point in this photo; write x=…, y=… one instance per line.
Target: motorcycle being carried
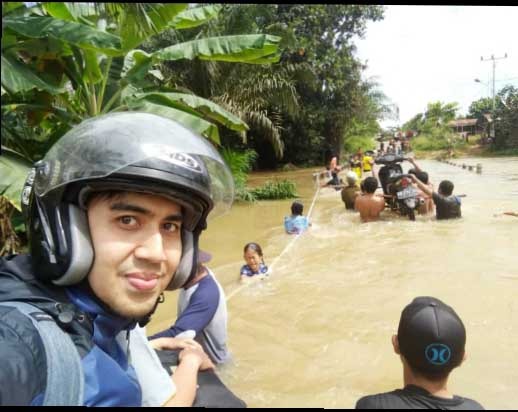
x=399, y=193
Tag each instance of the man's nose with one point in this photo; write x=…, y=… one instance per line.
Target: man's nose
x=151, y=248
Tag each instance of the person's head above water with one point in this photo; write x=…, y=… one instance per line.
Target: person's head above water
x=297, y=208
x=120, y=201
x=351, y=178
x=446, y=188
x=370, y=184
x=253, y=255
x=422, y=176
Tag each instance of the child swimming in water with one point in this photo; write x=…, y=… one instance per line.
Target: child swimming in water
x=255, y=266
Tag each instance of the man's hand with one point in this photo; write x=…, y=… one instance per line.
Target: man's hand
x=197, y=357
x=173, y=343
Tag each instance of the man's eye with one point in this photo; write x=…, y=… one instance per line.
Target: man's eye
x=128, y=220
x=170, y=227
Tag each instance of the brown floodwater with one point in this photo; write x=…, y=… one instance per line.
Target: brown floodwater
x=317, y=332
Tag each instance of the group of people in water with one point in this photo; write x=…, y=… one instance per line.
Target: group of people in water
x=114, y=214
x=360, y=192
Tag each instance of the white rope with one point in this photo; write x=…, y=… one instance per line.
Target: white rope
x=288, y=246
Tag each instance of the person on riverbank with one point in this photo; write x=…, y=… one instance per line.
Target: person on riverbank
x=351, y=191
x=447, y=205
x=255, y=267
x=369, y=204
x=202, y=309
x=296, y=223
x=114, y=212
x=430, y=342
x=368, y=162
x=356, y=165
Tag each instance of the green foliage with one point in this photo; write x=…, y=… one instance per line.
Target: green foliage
x=506, y=115
x=240, y=164
x=271, y=190
x=438, y=138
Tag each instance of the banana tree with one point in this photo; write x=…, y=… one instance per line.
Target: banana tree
x=64, y=62
x=84, y=61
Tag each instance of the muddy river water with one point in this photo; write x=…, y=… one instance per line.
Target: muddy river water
x=317, y=332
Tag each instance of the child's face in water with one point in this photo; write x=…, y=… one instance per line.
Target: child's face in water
x=252, y=259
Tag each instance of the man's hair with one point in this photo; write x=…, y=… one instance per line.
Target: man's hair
x=370, y=184
x=446, y=188
x=297, y=208
x=422, y=176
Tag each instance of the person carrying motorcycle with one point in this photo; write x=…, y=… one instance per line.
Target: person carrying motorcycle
x=369, y=204
x=114, y=212
x=427, y=205
x=447, y=205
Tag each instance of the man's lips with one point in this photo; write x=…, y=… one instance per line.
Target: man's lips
x=143, y=281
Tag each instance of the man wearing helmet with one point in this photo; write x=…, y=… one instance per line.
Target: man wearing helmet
x=114, y=212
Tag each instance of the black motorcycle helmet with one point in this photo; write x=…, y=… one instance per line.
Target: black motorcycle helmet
x=130, y=151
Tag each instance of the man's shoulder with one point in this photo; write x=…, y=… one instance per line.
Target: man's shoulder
x=387, y=400
x=415, y=398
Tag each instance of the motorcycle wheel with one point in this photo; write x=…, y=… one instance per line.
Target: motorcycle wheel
x=411, y=214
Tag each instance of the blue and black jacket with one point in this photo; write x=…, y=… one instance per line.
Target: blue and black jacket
x=109, y=379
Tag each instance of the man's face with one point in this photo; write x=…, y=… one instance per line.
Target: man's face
x=137, y=244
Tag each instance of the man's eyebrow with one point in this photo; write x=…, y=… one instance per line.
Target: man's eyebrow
x=121, y=206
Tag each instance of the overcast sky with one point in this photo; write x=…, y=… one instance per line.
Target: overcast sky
x=422, y=54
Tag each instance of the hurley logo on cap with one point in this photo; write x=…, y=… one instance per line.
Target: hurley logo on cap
x=437, y=353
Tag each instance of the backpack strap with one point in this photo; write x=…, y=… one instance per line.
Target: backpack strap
x=65, y=382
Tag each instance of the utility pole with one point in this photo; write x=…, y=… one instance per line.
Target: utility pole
x=494, y=59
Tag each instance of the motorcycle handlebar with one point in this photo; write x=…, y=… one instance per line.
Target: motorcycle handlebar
x=389, y=159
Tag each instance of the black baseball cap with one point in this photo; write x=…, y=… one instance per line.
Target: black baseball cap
x=431, y=336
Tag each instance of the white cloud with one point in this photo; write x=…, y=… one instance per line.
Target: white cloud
x=421, y=54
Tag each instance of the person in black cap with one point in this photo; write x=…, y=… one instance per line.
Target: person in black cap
x=430, y=341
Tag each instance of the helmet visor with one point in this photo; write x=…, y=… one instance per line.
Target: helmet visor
x=100, y=146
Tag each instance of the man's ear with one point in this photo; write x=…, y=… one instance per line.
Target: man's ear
x=395, y=344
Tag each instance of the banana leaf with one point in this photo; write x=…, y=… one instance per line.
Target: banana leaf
x=188, y=102
x=13, y=172
x=195, y=17
x=74, y=33
x=195, y=123
x=248, y=48
x=17, y=77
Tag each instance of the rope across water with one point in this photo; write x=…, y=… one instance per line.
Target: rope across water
x=288, y=246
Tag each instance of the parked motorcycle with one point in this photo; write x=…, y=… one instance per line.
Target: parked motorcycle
x=397, y=187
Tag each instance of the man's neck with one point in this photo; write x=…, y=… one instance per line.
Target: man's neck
x=435, y=388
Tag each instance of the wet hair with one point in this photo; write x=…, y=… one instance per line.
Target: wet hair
x=297, y=208
x=446, y=188
x=255, y=247
x=422, y=176
x=370, y=184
